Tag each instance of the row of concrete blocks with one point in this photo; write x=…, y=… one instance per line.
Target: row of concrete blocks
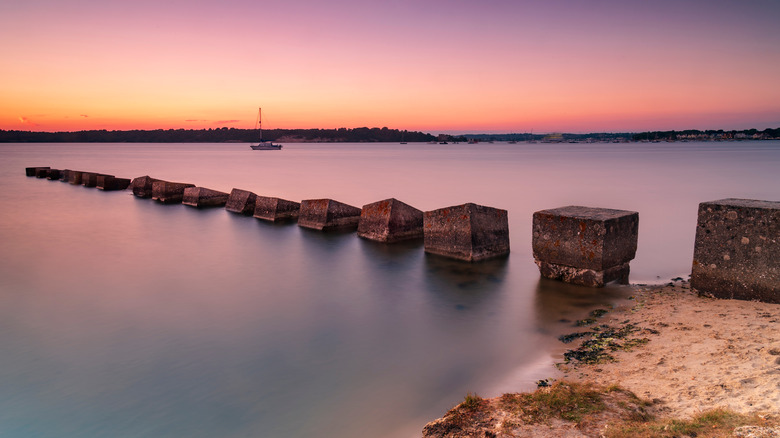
x=467, y=232
x=736, y=254
x=78, y=177
x=736, y=251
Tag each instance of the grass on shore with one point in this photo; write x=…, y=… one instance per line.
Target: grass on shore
x=611, y=412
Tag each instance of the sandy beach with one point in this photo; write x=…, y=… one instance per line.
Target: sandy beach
x=683, y=355
x=707, y=353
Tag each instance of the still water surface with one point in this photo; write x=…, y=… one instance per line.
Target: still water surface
x=121, y=317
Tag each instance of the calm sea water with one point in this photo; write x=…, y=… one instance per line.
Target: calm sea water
x=120, y=317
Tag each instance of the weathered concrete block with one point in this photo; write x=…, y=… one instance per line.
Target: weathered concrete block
x=33, y=171
x=202, y=197
x=53, y=174
x=74, y=177
x=328, y=215
x=168, y=192
x=390, y=221
x=276, y=209
x=110, y=182
x=90, y=179
x=468, y=232
x=142, y=186
x=65, y=175
x=42, y=172
x=585, y=245
x=241, y=202
x=737, y=250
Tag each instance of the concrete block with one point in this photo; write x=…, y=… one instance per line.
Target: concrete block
x=328, y=215
x=142, y=186
x=109, y=182
x=42, y=172
x=202, y=197
x=53, y=174
x=90, y=179
x=65, y=175
x=241, y=202
x=390, y=221
x=467, y=232
x=33, y=171
x=737, y=250
x=168, y=192
x=74, y=177
x=585, y=245
x=276, y=209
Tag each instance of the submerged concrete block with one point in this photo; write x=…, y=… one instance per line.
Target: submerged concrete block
x=276, y=209
x=328, y=215
x=33, y=171
x=90, y=179
x=168, y=192
x=74, y=177
x=65, y=175
x=241, y=202
x=467, y=232
x=737, y=250
x=53, y=174
x=42, y=172
x=585, y=245
x=390, y=221
x=142, y=186
x=202, y=197
x=110, y=182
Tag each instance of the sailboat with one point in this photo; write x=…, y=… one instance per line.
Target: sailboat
x=263, y=145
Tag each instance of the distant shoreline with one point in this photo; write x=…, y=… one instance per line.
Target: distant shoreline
x=368, y=135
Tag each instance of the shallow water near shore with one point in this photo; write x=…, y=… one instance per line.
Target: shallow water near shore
x=123, y=317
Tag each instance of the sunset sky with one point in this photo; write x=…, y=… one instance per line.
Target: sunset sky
x=452, y=66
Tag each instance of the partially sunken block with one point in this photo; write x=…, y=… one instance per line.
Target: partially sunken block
x=142, y=186
x=275, y=209
x=584, y=245
x=53, y=174
x=109, y=182
x=33, y=171
x=328, y=215
x=90, y=179
x=202, y=197
x=169, y=192
x=737, y=250
x=467, y=232
x=241, y=201
x=390, y=221
x=42, y=172
x=74, y=177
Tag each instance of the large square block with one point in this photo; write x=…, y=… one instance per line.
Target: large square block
x=276, y=209
x=90, y=179
x=33, y=171
x=74, y=177
x=202, y=197
x=468, y=232
x=168, y=192
x=390, y=221
x=142, y=186
x=109, y=182
x=737, y=250
x=328, y=215
x=241, y=202
x=585, y=245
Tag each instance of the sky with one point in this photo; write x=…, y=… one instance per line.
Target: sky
x=437, y=66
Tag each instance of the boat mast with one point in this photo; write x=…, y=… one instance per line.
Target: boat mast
x=259, y=123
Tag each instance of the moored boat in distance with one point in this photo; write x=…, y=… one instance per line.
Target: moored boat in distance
x=263, y=145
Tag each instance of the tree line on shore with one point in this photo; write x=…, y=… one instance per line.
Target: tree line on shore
x=218, y=135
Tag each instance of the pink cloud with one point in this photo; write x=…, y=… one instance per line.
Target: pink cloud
x=26, y=121
x=222, y=122
x=84, y=115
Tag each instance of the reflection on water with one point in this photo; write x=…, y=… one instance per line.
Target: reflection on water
x=123, y=317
